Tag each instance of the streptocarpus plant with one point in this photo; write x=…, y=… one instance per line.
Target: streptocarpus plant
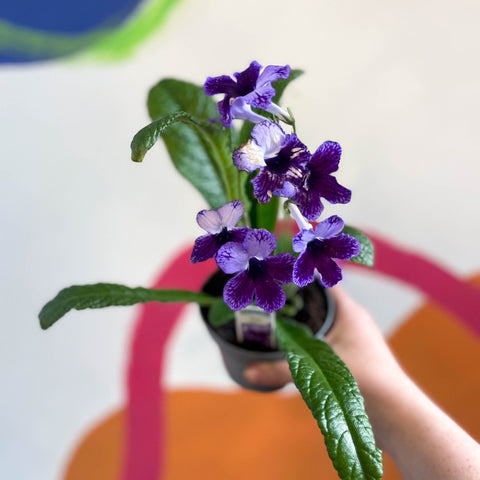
x=246, y=173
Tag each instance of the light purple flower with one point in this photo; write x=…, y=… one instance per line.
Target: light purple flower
x=320, y=183
x=220, y=225
x=317, y=250
x=250, y=88
x=260, y=274
x=281, y=158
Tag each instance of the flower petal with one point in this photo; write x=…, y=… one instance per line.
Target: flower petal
x=280, y=267
x=210, y=221
x=232, y=257
x=270, y=137
x=329, y=228
x=205, y=247
x=327, y=157
x=271, y=73
x=260, y=243
x=301, y=239
x=265, y=183
x=261, y=97
x=330, y=272
x=238, y=291
x=221, y=84
x=309, y=203
x=303, y=270
x=240, y=109
x=231, y=213
x=238, y=234
x=249, y=157
x=342, y=247
x=247, y=79
x=269, y=295
x=328, y=187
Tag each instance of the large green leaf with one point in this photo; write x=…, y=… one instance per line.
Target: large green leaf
x=201, y=150
x=367, y=253
x=331, y=393
x=80, y=297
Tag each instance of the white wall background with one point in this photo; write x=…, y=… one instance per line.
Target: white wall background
x=396, y=83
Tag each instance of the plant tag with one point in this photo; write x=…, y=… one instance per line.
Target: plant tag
x=255, y=325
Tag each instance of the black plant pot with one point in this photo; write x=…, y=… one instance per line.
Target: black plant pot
x=318, y=314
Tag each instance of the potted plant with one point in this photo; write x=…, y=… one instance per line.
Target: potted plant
x=260, y=302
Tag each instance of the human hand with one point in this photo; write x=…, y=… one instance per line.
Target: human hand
x=355, y=338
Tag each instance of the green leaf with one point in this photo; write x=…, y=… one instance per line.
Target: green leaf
x=331, y=393
x=367, y=253
x=220, y=313
x=102, y=295
x=200, y=149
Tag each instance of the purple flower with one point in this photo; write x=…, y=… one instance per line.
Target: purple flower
x=250, y=88
x=319, y=183
x=260, y=274
x=318, y=248
x=220, y=225
x=280, y=157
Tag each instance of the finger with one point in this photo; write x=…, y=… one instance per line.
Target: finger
x=268, y=373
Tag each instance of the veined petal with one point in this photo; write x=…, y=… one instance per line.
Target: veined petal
x=270, y=137
x=232, y=257
x=328, y=187
x=238, y=291
x=287, y=191
x=330, y=272
x=265, y=183
x=301, y=239
x=225, y=111
x=210, y=221
x=304, y=269
x=271, y=73
x=249, y=157
x=261, y=97
x=205, y=247
x=238, y=234
x=280, y=267
x=329, y=227
x=309, y=203
x=259, y=243
x=221, y=84
x=342, y=247
x=231, y=213
x=247, y=79
x=327, y=157
x=269, y=295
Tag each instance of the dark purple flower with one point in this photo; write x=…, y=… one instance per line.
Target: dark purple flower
x=250, y=88
x=260, y=274
x=220, y=225
x=280, y=157
x=318, y=248
x=320, y=183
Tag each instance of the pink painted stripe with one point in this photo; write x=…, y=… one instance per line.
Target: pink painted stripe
x=445, y=289
x=145, y=393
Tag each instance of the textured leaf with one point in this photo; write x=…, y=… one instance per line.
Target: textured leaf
x=367, y=254
x=331, y=393
x=80, y=297
x=201, y=150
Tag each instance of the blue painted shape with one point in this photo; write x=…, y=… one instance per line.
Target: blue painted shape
x=62, y=16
